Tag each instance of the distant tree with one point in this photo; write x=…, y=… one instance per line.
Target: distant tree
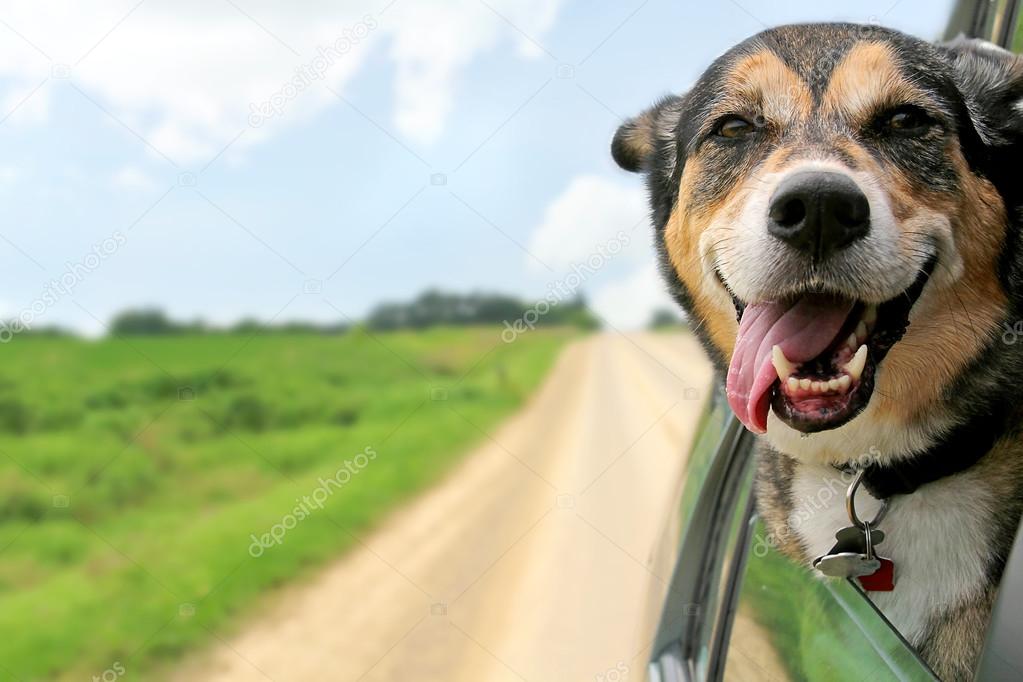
x=435, y=307
x=574, y=312
x=247, y=325
x=142, y=321
x=664, y=318
x=16, y=327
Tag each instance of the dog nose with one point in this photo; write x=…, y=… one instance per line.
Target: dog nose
x=818, y=213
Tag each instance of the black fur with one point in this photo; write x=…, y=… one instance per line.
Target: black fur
x=976, y=94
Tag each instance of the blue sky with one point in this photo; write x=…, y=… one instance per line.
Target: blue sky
x=447, y=143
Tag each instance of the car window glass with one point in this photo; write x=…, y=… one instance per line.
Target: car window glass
x=790, y=625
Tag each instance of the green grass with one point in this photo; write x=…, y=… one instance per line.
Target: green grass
x=133, y=473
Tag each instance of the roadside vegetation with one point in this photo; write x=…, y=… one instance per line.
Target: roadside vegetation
x=145, y=479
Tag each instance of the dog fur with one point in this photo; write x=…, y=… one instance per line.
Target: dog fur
x=813, y=93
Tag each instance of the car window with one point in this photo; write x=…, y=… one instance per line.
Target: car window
x=790, y=625
x=721, y=588
x=715, y=510
x=738, y=610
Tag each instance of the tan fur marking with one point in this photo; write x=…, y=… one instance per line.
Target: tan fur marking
x=774, y=501
x=961, y=318
x=761, y=83
x=957, y=640
x=682, y=236
x=867, y=79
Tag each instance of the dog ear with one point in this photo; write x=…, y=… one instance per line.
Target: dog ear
x=991, y=81
x=637, y=141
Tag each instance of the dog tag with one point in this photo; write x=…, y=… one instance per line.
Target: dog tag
x=852, y=536
x=847, y=565
x=851, y=539
x=851, y=557
x=881, y=580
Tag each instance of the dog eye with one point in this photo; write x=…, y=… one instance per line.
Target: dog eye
x=908, y=121
x=734, y=127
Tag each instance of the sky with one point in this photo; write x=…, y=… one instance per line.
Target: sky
x=229, y=159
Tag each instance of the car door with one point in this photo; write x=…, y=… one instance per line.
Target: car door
x=736, y=609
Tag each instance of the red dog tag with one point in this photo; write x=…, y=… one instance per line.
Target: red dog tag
x=881, y=580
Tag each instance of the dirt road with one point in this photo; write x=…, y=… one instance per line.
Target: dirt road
x=532, y=561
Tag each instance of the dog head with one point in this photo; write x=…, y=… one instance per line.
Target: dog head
x=832, y=205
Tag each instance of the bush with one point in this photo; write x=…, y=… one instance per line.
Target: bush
x=246, y=412
x=15, y=416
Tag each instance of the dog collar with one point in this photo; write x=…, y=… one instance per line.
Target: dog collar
x=959, y=451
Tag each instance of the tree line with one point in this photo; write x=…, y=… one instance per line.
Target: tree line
x=429, y=309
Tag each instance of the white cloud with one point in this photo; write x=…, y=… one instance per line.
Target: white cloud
x=183, y=74
x=132, y=178
x=590, y=211
x=630, y=302
x=429, y=60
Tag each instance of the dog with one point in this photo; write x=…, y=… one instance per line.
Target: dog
x=838, y=210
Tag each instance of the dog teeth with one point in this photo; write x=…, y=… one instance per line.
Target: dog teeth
x=861, y=331
x=852, y=371
x=854, y=368
x=782, y=366
x=804, y=386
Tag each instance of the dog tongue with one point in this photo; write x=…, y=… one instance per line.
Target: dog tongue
x=803, y=328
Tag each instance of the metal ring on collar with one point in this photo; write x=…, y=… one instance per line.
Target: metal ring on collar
x=850, y=505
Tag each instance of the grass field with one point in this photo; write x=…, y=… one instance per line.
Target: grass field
x=134, y=473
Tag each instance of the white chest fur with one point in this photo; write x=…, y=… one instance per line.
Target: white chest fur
x=938, y=537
